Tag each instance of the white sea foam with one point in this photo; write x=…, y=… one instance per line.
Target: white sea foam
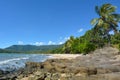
x=15, y=59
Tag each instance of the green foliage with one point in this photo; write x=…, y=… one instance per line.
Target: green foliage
x=7, y=51
x=84, y=48
x=89, y=47
x=91, y=40
x=115, y=39
x=80, y=45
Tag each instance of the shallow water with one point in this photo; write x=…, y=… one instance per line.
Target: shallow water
x=13, y=61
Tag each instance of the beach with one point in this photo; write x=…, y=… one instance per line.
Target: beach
x=102, y=64
x=65, y=56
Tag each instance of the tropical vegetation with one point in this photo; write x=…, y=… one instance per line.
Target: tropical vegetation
x=99, y=35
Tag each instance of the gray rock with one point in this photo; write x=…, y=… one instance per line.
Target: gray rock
x=102, y=64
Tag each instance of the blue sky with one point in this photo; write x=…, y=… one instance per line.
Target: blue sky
x=42, y=22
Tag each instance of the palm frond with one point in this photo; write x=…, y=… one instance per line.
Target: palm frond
x=117, y=17
x=94, y=21
x=114, y=23
x=106, y=6
x=110, y=10
x=106, y=25
x=100, y=22
x=97, y=10
x=107, y=9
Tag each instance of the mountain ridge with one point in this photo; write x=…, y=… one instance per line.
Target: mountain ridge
x=32, y=48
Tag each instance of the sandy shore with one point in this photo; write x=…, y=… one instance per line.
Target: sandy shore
x=65, y=56
x=102, y=64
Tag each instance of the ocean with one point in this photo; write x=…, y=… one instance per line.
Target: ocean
x=14, y=61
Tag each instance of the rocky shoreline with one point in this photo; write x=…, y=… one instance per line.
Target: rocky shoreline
x=102, y=64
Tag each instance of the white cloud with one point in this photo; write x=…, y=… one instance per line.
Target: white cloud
x=39, y=43
x=51, y=43
x=20, y=42
x=80, y=30
x=66, y=38
x=61, y=42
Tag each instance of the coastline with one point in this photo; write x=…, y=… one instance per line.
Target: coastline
x=102, y=64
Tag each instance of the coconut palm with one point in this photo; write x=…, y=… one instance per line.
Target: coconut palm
x=68, y=45
x=108, y=19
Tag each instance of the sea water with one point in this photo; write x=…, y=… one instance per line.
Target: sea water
x=14, y=61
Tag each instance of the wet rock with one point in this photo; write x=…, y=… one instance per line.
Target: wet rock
x=1, y=72
x=32, y=65
x=92, y=71
x=102, y=64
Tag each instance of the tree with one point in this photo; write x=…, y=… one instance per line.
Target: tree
x=107, y=21
x=68, y=45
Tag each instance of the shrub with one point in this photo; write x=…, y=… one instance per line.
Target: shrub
x=84, y=48
x=88, y=48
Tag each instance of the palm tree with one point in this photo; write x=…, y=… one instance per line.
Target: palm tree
x=107, y=21
x=68, y=45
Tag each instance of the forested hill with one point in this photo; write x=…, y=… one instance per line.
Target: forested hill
x=2, y=50
x=32, y=48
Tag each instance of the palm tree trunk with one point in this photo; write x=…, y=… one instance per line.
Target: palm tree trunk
x=109, y=40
